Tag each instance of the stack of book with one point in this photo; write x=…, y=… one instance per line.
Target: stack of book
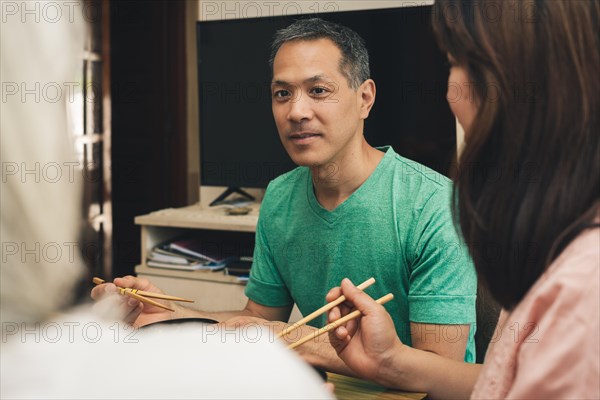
x=240, y=268
x=186, y=254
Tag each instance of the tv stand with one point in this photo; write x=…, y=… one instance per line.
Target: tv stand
x=230, y=190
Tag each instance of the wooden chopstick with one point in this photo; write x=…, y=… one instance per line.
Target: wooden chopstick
x=322, y=310
x=99, y=281
x=354, y=314
x=143, y=296
x=157, y=295
x=144, y=299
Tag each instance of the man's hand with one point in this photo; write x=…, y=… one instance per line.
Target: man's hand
x=136, y=313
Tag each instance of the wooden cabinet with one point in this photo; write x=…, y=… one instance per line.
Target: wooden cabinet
x=212, y=291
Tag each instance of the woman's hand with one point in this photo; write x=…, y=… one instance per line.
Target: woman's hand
x=366, y=344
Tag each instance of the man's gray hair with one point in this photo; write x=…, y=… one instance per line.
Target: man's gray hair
x=354, y=64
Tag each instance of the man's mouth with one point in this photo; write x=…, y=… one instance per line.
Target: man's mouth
x=303, y=137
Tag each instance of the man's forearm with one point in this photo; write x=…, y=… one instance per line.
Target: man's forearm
x=220, y=316
x=324, y=356
x=319, y=352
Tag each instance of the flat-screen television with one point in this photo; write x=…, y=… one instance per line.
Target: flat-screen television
x=239, y=144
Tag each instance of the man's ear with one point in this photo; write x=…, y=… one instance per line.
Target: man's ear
x=367, y=97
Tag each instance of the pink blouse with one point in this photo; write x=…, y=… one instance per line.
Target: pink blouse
x=548, y=347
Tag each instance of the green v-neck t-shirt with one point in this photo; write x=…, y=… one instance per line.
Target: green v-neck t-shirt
x=396, y=227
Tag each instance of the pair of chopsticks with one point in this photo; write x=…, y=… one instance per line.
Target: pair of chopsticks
x=354, y=314
x=143, y=296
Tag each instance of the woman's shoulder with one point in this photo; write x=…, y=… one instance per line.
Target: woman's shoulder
x=548, y=345
x=579, y=262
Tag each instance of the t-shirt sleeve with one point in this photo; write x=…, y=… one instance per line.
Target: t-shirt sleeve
x=265, y=285
x=443, y=282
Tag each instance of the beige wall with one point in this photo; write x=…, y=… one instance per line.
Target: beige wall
x=229, y=9
x=193, y=155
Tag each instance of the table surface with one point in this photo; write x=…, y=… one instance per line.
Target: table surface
x=347, y=388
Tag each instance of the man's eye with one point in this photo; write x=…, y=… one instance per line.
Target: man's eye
x=281, y=93
x=319, y=91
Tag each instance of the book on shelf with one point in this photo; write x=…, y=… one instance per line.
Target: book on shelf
x=169, y=256
x=170, y=259
x=188, y=254
x=240, y=268
x=194, y=249
x=210, y=266
x=191, y=265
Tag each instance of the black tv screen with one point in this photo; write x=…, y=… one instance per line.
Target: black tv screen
x=239, y=144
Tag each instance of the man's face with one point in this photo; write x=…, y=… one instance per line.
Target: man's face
x=318, y=115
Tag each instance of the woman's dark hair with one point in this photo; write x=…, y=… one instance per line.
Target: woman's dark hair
x=528, y=180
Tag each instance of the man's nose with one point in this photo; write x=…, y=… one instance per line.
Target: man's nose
x=301, y=108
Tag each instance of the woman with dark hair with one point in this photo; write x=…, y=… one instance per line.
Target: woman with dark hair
x=525, y=84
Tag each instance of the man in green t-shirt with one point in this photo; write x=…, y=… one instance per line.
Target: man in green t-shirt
x=349, y=210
